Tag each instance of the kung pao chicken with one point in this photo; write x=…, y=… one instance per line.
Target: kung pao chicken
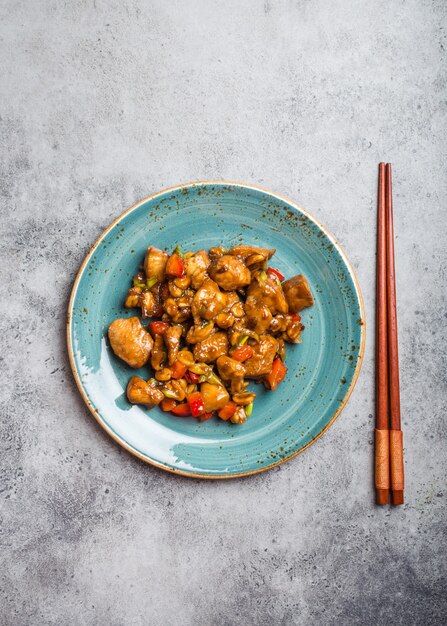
x=218, y=319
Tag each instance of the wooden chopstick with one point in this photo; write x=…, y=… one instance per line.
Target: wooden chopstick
x=382, y=449
x=396, y=440
x=389, y=461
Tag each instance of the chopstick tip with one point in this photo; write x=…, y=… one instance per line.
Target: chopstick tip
x=382, y=496
x=398, y=496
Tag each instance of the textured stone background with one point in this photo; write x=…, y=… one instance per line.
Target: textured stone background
x=103, y=103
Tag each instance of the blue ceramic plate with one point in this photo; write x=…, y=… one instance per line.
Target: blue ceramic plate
x=322, y=370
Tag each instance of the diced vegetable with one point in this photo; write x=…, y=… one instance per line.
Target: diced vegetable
x=295, y=317
x=158, y=328
x=137, y=282
x=175, y=266
x=279, y=370
x=150, y=282
x=168, y=404
x=206, y=416
x=242, y=340
x=249, y=409
x=262, y=277
x=272, y=271
x=242, y=353
x=213, y=379
x=227, y=411
x=182, y=410
x=178, y=370
x=191, y=377
x=196, y=404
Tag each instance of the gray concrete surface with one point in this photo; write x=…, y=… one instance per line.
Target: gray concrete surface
x=103, y=103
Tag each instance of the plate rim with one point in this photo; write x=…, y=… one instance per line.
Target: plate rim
x=97, y=415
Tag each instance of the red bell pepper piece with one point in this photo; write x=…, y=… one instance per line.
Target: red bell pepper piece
x=167, y=404
x=196, y=404
x=158, y=328
x=181, y=410
x=242, y=353
x=295, y=317
x=272, y=271
x=279, y=370
x=191, y=377
x=206, y=416
x=227, y=411
x=175, y=266
x=178, y=370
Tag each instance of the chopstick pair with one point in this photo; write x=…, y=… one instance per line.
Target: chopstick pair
x=389, y=462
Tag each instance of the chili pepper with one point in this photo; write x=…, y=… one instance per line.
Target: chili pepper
x=242, y=353
x=178, y=370
x=167, y=404
x=196, y=404
x=158, y=328
x=191, y=377
x=227, y=411
x=181, y=410
x=295, y=317
x=175, y=266
x=277, y=374
x=272, y=271
x=206, y=416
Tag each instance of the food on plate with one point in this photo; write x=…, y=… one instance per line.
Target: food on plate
x=130, y=341
x=218, y=320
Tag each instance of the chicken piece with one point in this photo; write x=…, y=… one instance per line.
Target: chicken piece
x=246, y=251
x=232, y=371
x=141, y=392
x=210, y=349
x=297, y=293
x=196, y=267
x=267, y=290
x=261, y=362
x=155, y=263
x=225, y=320
x=158, y=356
x=229, y=273
x=200, y=332
x=133, y=298
x=258, y=315
x=232, y=299
x=217, y=251
x=130, y=341
x=209, y=301
x=214, y=396
x=172, y=338
x=150, y=306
